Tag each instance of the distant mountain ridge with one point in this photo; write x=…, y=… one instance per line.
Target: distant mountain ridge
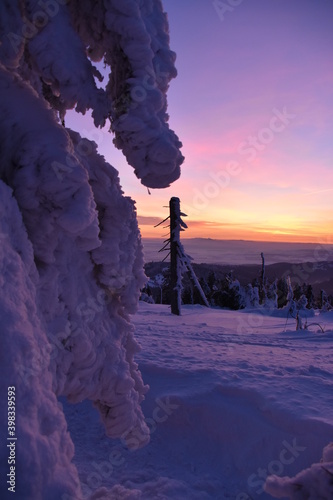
x=240, y=252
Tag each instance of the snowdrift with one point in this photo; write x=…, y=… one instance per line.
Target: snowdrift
x=227, y=410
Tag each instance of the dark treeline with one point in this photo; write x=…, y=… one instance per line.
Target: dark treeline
x=309, y=285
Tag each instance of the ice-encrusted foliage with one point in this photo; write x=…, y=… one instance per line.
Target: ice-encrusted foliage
x=132, y=38
x=71, y=254
x=43, y=447
x=55, y=43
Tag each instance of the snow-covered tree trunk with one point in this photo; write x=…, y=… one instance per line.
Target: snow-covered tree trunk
x=175, y=259
x=262, y=290
x=180, y=262
x=291, y=304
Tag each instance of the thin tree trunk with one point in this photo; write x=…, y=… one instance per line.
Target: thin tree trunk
x=175, y=278
x=262, y=280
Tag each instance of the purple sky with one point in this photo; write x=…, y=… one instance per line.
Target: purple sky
x=253, y=106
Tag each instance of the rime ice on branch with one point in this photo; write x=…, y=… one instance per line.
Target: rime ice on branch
x=134, y=41
x=73, y=248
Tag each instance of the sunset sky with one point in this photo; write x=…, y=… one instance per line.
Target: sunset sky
x=253, y=106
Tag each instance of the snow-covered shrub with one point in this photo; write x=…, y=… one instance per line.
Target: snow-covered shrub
x=302, y=303
x=271, y=300
x=231, y=294
x=325, y=304
x=291, y=303
x=147, y=298
x=310, y=484
x=251, y=296
x=282, y=292
x=238, y=296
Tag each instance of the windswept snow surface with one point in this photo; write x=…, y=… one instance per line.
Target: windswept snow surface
x=234, y=397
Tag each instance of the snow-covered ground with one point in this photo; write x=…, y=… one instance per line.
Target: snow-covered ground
x=234, y=397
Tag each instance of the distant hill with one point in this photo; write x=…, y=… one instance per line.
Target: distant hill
x=239, y=252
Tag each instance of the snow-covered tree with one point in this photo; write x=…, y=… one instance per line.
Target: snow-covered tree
x=231, y=294
x=291, y=304
x=177, y=263
x=271, y=300
x=302, y=303
x=70, y=251
x=212, y=282
x=308, y=291
x=251, y=296
x=297, y=291
x=324, y=302
x=263, y=281
x=282, y=292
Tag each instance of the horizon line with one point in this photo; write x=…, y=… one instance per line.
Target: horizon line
x=242, y=240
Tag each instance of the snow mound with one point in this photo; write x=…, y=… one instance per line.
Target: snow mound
x=310, y=484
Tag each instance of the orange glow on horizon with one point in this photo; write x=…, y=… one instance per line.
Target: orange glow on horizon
x=202, y=229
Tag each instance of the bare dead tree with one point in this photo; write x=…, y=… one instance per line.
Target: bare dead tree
x=179, y=260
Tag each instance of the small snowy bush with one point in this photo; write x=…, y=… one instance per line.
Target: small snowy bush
x=311, y=484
